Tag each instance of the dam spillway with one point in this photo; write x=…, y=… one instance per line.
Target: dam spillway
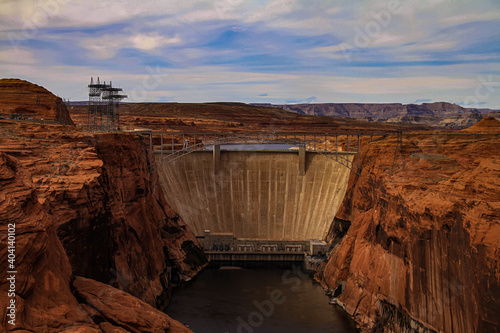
x=282, y=195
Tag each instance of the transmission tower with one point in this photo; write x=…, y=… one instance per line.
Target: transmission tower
x=103, y=103
x=112, y=97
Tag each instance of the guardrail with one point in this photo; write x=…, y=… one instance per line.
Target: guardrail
x=172, y=146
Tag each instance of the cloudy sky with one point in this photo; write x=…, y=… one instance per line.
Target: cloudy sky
x=266, y=51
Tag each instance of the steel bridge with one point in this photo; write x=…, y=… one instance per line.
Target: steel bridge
x=172, y=146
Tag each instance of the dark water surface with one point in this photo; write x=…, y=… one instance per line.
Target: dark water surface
x=256, y=301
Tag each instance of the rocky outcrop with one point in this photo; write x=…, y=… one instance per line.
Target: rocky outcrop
x=422, y=250
x=43, y=298
x=99, y=200
x=118, y=311
x=488, y=125
x=21, y=99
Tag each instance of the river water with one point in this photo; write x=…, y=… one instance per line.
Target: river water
x=239, y=300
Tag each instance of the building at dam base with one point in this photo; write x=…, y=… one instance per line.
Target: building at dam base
x=257, y=195
x=226, y=250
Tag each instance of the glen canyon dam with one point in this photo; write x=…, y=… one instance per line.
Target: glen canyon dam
x=268, y=195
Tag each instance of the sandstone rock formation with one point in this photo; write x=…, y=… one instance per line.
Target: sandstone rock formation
x=44, y=302
x=24, y=100
x=118, y=311
x=118, y=228
x=488, y=125
x=99, y=195
x=423, y=247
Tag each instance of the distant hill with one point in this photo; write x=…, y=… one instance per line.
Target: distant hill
x=78, y=103
x=85, y=103
x=20, y=99
x=440, y=114
x=488, y=125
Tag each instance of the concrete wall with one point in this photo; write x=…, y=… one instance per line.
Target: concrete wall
x=256, y=195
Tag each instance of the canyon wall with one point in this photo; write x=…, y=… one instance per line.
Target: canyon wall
x=24, y=100
x=423, y=250
x=43, y=276
x=100, y=222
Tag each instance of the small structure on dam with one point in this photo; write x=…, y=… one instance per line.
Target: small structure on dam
x=274, y=195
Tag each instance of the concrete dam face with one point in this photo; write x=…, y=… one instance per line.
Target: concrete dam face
x=256, y=195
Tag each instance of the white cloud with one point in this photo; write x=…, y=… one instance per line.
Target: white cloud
x=17, y=57
x=107, y=46
x=86, y=13
x=472, y=17
x=272, y=10
x=104, y=47
x=333, y=10
x=218, y=10
x=150, y=42
x=433, y=46
x=200, y=15
x=339, y=51
x=57, y=13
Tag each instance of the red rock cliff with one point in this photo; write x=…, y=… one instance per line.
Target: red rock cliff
x=23, y=99
x=43, y=277
x=99, y=194
x=46, y=297
x=118, y=228
x=424, y=244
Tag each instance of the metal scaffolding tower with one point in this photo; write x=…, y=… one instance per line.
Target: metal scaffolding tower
x=103, y=103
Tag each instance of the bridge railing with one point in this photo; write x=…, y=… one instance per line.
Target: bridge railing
x=337, y=146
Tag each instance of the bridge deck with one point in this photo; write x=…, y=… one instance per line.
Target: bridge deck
x=172, y=146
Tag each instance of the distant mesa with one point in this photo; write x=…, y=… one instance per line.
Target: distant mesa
x=20, y=99
x=440, y=114
x=378, y=111
x=488, y=125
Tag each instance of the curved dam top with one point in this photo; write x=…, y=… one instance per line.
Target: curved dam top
x=265, y=194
